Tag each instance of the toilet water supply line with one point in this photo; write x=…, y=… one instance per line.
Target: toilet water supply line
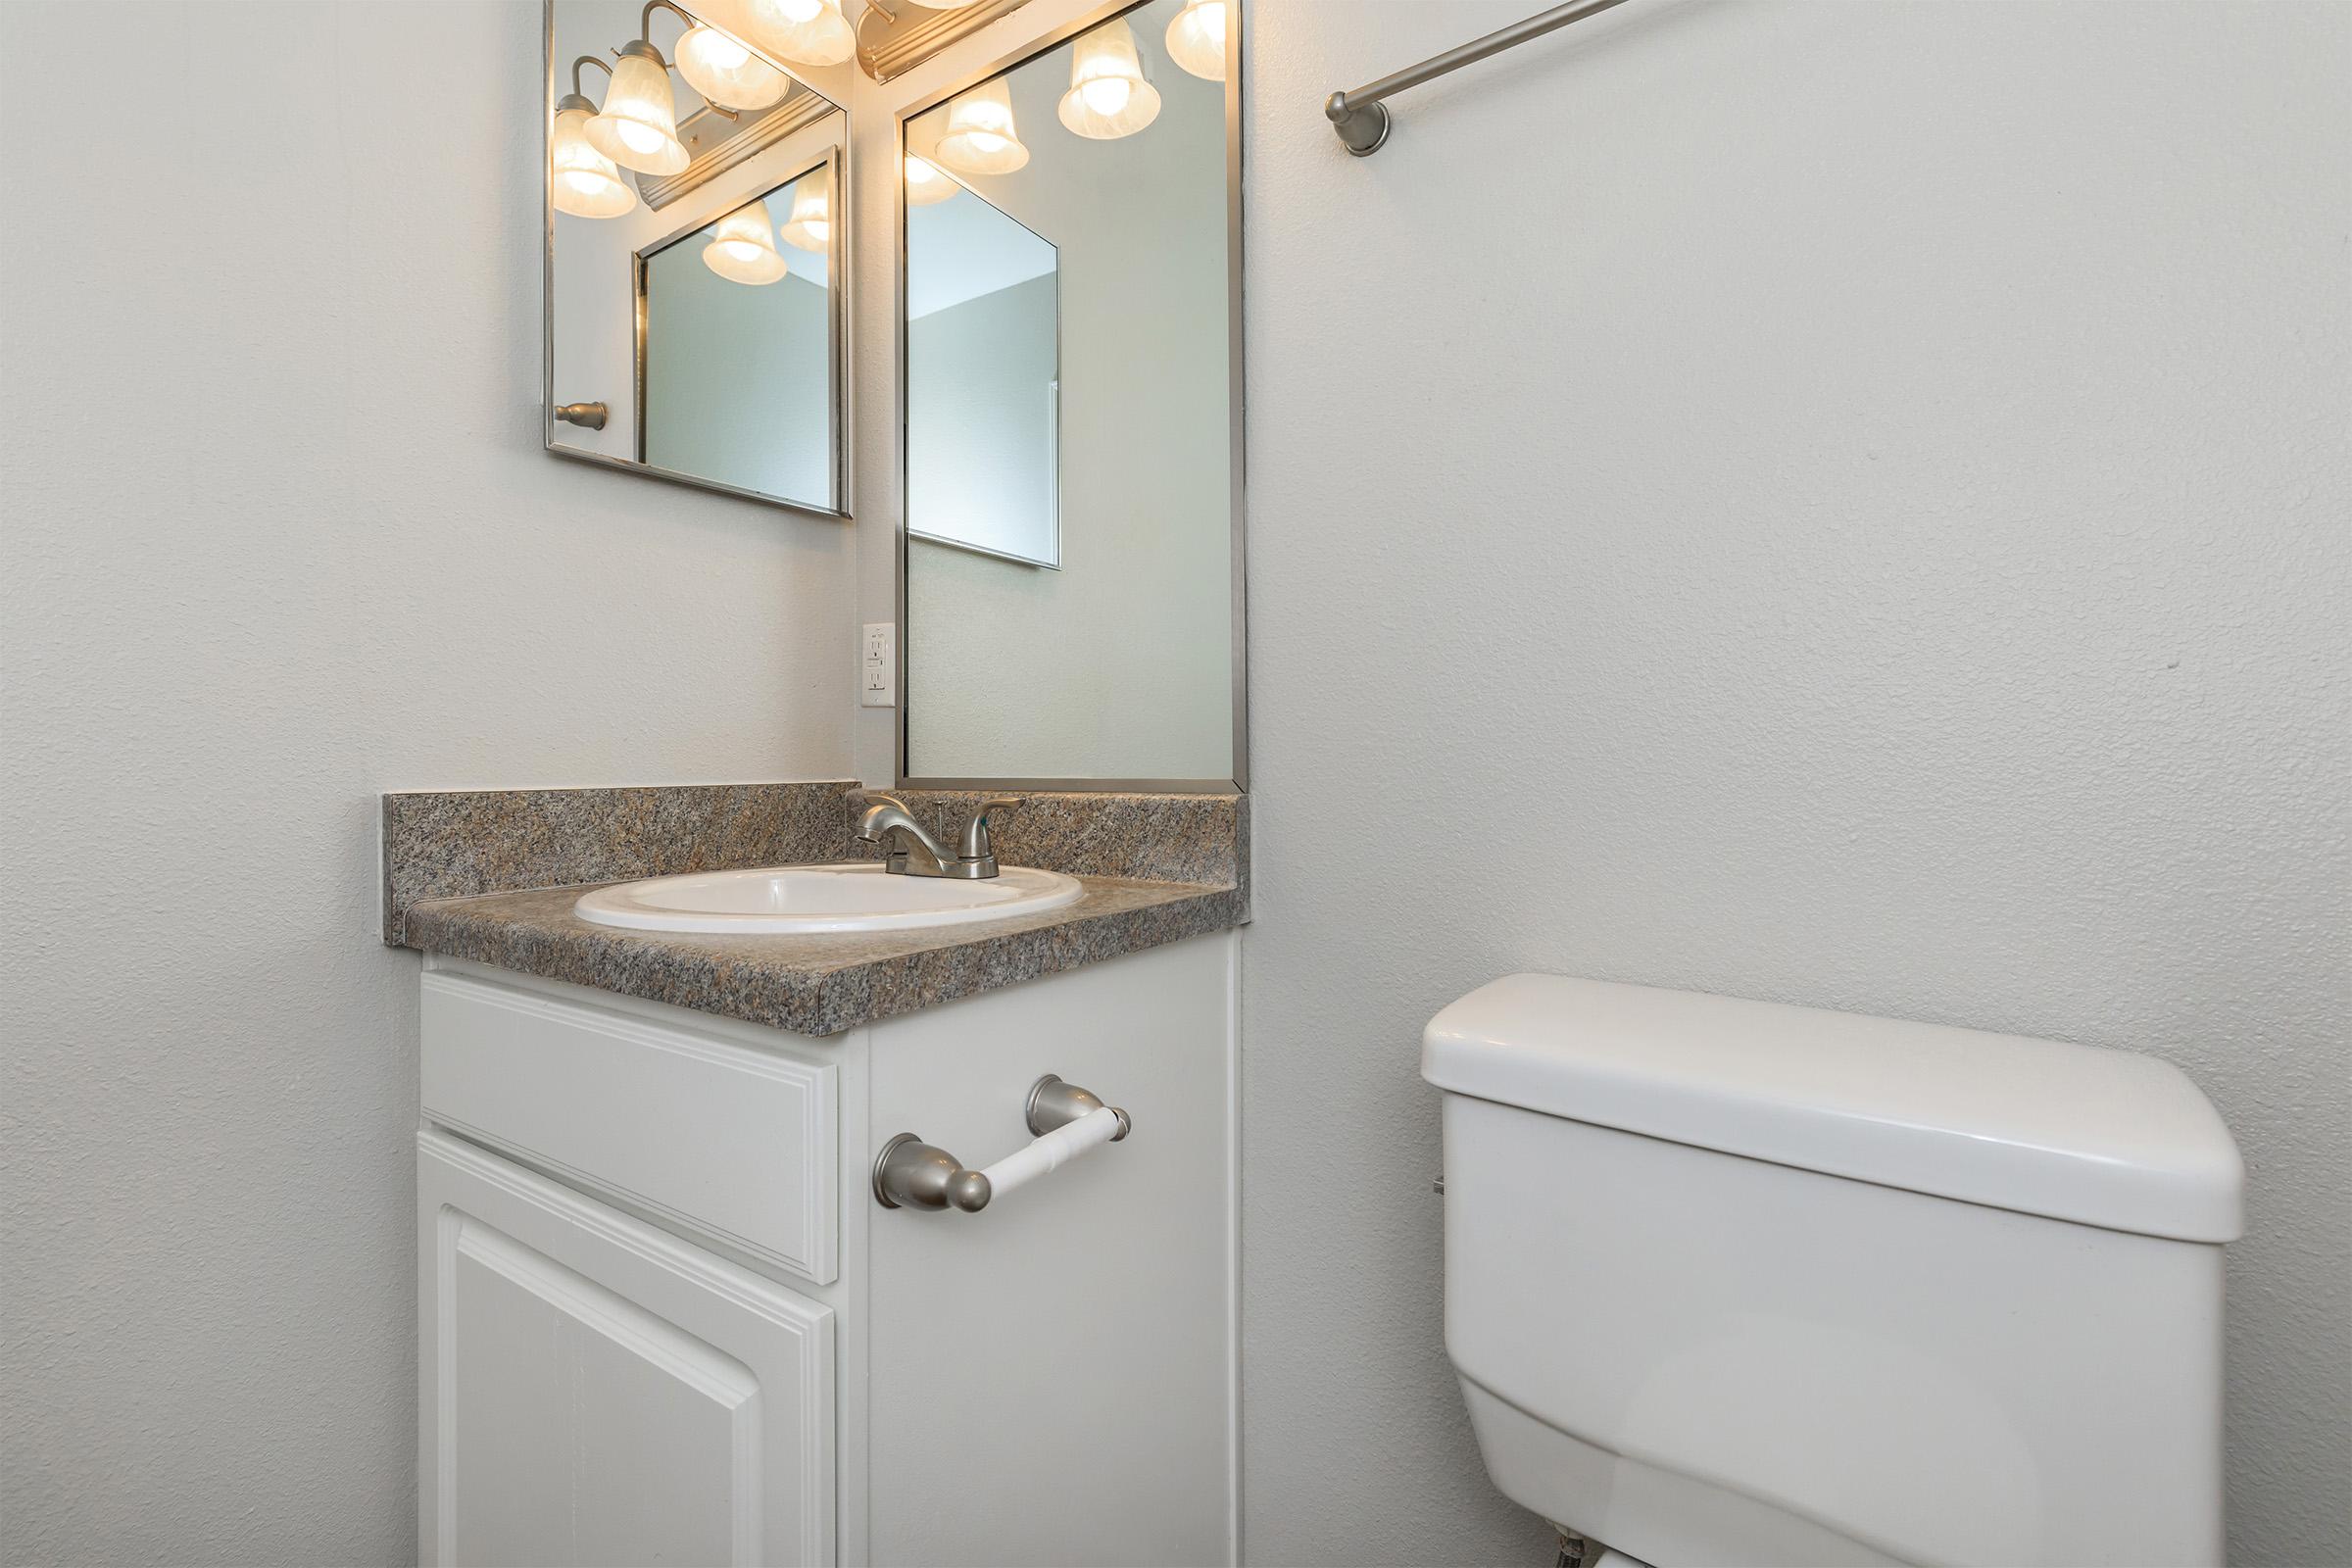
x=1068, y=1122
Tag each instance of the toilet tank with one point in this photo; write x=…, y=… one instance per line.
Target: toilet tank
x=1732, y=1282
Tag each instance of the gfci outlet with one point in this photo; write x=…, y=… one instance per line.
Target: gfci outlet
x=878, y=665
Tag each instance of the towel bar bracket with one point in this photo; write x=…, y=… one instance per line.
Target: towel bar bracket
x=1363, y=128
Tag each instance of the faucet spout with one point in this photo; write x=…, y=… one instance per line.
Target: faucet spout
x=913, y=852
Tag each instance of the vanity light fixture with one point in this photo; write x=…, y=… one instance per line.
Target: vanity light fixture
x=981, y=137
x=743, y=248
x=1197, y=38
x=811, y=226
x=808, y=32
x=639, y=126
x=926, y=184
x=726, y=72
x=1108, y=97
x=582, y=180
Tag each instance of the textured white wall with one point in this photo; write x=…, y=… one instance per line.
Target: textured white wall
x=1844, y=503
x=280, y=535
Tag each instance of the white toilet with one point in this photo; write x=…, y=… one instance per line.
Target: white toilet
x=1735, y=1283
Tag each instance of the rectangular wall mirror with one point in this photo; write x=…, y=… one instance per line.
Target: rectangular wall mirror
x=695, y=232
x=1069, y=343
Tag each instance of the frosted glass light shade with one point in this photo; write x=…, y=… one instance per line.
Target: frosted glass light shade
x=1197, y=38
x=639, y=125
x=926, y=184
x=743, y=248
x=811, y=226
x=981, y=139
x=583, y=181
x=726, y=72
x=808, y=32
x=1108, y=97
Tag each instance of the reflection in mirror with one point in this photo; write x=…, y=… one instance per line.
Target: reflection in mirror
x=983, y=373
x=1069, y=405
x=693, y=271
x=736, y=313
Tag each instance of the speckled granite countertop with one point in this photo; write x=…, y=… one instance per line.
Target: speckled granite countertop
x=815, y=985
x=479, y=845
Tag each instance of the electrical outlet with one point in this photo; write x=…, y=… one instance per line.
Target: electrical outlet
x=878, y=665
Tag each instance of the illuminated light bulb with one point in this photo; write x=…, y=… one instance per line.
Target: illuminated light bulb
x=1108, y=97
x=811, y=226
x=638, y=127
x=1197, y=38
x=808, y=32
x=926, y=184
x=726, y=72
x=582, y=180
x=981, y=139
x=743, y=248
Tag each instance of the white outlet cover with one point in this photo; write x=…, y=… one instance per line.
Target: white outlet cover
x=878, y=665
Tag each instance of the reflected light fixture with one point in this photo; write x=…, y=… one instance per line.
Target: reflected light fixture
x=639, y=125
x=581, y=181
x=743, y=248
x=811, y=226
x=981, y=139
x=1108, y=97
x=808, y=32
x=726, y=72
x=1197, y=38
x=926, y=184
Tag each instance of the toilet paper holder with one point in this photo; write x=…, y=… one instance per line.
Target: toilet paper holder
x=1064, y=1122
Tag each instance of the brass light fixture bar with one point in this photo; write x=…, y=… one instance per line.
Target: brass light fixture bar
x=894, y=36
x=718, y=142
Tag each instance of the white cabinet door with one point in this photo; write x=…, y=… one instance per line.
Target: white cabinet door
x=597, y=1392
x=1050, y=1381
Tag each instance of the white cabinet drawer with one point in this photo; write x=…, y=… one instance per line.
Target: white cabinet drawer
x=718, y=1137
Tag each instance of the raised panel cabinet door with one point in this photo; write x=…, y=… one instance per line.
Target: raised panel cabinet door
x=595, y=1390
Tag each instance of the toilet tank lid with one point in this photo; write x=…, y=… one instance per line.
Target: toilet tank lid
x=2074, y=1132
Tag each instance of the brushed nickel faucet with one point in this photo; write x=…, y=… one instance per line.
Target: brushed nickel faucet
x=915, y=853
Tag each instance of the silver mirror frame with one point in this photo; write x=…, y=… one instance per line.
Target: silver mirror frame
x=837, y=261
x=1236, y=407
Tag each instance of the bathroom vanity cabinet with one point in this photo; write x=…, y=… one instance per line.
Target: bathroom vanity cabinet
x=663, y=1318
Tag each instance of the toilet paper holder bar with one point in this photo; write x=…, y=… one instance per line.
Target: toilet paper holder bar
x=1064, y=1122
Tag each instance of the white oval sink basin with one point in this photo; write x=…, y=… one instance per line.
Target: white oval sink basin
x=781, y=899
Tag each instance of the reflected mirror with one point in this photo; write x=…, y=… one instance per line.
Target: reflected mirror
x=694, y=286
x=1070, y=434
x=983, y=382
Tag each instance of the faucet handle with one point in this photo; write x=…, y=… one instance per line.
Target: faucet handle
x=975, y=845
